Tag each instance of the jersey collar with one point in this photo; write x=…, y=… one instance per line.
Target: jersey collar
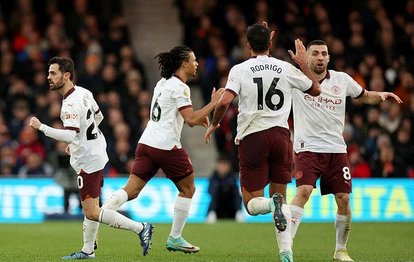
x=255, y=56
x=327, y=76
x=179, y=78
x=69, y=92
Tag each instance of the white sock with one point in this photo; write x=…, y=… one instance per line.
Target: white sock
x=259, y=206
x=181, y=211
x=297, y=214
x=117, y=199
x=117, y=220
x=284, y=239
x=90, y=229
x=343, y=228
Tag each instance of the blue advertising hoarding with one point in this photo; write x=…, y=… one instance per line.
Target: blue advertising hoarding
x=29, y=200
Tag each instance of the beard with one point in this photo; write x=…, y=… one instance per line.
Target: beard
x=318, y=69
x=56, y=86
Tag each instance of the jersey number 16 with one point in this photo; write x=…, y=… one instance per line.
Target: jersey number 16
x=270, y=93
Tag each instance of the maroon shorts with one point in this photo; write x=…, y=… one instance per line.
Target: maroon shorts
x=90, y=184
x=175, y=163
x=265, y=156
x=332, y=168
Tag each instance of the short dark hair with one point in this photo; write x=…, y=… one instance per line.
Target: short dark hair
x=316, y=42
x=170, y=61
x=65, y=65
x=258, y=37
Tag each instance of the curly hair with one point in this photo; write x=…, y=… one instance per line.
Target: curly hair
x=170, y=61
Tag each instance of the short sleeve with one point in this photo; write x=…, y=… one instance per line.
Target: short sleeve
x=71, y=116
x=298, y=79
x=182, y=96
x=233, y=80
x=354, y=90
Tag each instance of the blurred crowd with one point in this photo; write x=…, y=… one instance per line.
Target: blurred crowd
x=95, y=35
x=372, y=40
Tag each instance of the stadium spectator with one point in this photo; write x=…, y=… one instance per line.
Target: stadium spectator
x=355, y=30
x=224, y=190
x=35, y=166
x=32, y=34
x=391, y=117
x=320, y=149
x=8, y=161
x=120, y=157
x=358, y=34
x=81, y=116
x=160, y=147
x=358, y=166
x=5, y=138
x=29, y=143
x=20, y=112
x=386, y=163
x=265, y=149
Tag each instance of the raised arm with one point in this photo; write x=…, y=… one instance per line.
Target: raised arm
x=301, y=59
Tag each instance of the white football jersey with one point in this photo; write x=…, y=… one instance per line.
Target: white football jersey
x=264, y=85
x=88, y=149
x=319, y=121
x=163, y=130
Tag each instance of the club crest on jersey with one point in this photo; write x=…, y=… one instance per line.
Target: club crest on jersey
x=335, y=90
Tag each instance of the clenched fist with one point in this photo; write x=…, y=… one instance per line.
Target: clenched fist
x=35, y=123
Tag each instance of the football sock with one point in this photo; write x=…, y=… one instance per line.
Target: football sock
x=297, y=214
x=284, y=239
x=181, y=210
x=117, y=199
x=90, y=229
x=343, y=228
x=259, y=205
x=117, y=220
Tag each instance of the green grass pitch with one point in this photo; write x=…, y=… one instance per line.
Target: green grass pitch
x=220, y=242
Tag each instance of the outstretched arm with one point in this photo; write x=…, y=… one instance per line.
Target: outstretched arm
x=373, y=97
x=63, y=135
x=219, y=111
x=200, y=117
